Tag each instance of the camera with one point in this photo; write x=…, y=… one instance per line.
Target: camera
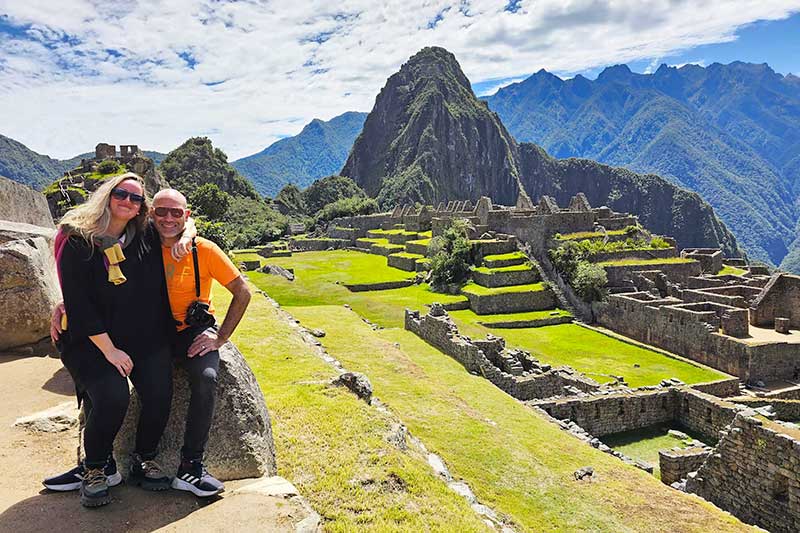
x=198, y=315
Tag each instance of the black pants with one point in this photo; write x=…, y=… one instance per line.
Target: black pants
x=203, y=372
x=106, y=402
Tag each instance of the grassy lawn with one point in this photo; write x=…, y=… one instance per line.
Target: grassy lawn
x=408, y=255
x=732, y=270
x=630, y=262
x=644, y=444
x=332, y=446
x=474, y=288
x=590, y=352
x=467, y=314
x=504, y=257
x=515, y=461
x=588, y=235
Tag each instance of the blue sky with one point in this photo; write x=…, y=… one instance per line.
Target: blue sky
x=74, y=73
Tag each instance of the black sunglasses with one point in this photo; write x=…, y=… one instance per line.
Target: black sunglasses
x=122, y=194
x=174, y=211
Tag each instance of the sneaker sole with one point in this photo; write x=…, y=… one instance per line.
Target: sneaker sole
x=112, y=481
x=179, y=484
x=95, y=502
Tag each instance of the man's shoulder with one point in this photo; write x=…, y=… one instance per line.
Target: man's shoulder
x=205, y=244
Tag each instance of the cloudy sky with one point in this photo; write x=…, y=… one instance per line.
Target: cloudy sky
x=249, y=72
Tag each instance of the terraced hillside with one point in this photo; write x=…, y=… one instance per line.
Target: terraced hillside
x=515, y=462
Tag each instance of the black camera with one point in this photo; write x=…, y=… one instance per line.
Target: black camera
x=198, y=315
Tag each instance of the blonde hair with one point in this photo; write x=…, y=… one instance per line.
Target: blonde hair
x=92, y=218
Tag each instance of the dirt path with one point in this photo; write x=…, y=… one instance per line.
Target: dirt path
x=31, y=384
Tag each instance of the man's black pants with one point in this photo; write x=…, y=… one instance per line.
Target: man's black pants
x=203, y=370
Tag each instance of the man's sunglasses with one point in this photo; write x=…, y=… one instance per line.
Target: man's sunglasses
x=122, y=194
x=174, y=211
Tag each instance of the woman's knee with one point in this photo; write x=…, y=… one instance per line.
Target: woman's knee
x=110, y=397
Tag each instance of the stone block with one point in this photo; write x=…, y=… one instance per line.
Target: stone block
x=240, y=443
x=782, y=325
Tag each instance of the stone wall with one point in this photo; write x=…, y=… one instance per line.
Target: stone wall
x=732, y=295
x=785, y=410
x=780, y=298
x=754, y=473
x=362, y=223
x=675, y=464
x=511, y=302
x=409, y=264
x=20, y=203
x=710, y=258
x=703, y=413
x=386, y=285
x=723, y=388
x=659, y=253
x=505, y=278
x=489, y=358
x=676, y=272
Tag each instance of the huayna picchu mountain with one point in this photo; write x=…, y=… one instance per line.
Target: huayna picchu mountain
x=729, y=132
x=428, y=139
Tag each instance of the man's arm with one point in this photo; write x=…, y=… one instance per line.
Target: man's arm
x=210, y=340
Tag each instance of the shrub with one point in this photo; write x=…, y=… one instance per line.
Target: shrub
x=291, y=199
x=565, y=258
x=450, y=254
x=347, y=207
x=109, y=166
x=213, y=231
x=659, y=243
x=589, y=281
x=210, y=201
x=328, y=190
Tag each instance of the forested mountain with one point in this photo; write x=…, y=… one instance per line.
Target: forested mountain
x=20, y=163
x=319, y=150
x=428, y=138
x=729, y=132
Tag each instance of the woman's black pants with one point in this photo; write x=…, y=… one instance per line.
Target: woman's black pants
x=106, y=402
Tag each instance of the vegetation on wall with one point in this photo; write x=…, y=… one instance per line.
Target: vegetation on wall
x=450, y=255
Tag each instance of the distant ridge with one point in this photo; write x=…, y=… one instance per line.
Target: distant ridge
x=729, y=132
x=319, y=150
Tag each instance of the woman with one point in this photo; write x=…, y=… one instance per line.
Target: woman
x=119, y=324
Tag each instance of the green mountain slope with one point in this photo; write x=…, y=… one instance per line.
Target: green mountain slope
x=317, y=151
x=428, y=139
x=20, y=163
x=728, y=132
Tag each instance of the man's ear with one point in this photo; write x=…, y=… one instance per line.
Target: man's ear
x=188, y=213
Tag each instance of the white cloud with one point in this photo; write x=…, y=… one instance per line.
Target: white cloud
x=138, y=72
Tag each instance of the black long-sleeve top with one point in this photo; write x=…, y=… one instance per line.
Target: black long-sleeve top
x=135, y=314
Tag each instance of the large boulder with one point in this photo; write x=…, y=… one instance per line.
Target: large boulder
x=28, y=284
x=20, y=203
x=240, y=444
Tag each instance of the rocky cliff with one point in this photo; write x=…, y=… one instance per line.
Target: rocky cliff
x=429, y=139
x=20, y=203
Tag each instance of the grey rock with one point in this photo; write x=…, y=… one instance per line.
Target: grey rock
x=28, y=284
x=240, y=444
x=397, y=435
x=437, y=309
x=356, y=382
x=582, y=473
x=59, y=418
x=20, y=203
x=318, y=333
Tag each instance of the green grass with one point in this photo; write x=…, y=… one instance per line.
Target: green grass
x=632, y=262
x=591, y=352
x=427, y=234
x=408, y=255
x=512, y=268
x=373, y=241
x=644, y=444
x=508, y=317
x=731, y=270
x=505, y=257
x=479, y=290
x=421, y=242
x=514, y=460
x=238, y=256
x=332, y=446
x=579, y=235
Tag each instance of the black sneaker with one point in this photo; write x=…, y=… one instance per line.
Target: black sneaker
x=147, y=474
x=71, y=480
x=94, y=490
x=193, y=477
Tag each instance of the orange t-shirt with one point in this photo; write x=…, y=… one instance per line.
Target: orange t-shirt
x=214, y=264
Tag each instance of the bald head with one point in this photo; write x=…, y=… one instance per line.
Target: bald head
x=171, y=195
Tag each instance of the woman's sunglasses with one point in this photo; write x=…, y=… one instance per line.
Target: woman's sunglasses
x=174, y=211
x=122, y=194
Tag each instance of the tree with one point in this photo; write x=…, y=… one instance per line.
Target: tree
x=451, y=254
x=208, y=200
x=328, y=190
x=346, y=207
x=589, y=281
x=291, y=199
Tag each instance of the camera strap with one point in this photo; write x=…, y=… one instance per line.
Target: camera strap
x=196, y=270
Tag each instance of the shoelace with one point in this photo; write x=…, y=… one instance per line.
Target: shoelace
x=94, y=477
x=152, y=469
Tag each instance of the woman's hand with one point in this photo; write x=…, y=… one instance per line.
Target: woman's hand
x=183, y=247
x=121, y=361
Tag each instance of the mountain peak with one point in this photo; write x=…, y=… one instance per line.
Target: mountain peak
x=615, y=72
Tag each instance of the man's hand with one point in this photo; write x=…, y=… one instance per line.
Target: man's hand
x=55, y=321
x=207, y=341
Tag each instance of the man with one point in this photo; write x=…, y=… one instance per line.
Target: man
x=196, y=345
